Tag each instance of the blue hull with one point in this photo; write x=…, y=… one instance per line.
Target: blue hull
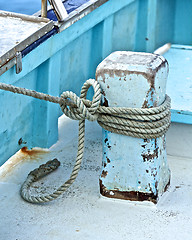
x=66, y=59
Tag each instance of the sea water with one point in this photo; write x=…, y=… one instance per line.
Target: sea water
x=21, y=6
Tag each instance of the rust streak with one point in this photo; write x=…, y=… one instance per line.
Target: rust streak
x=108, y=160
x=105, y=102
x=32, y=152
x=131, y=195
x=104, y=174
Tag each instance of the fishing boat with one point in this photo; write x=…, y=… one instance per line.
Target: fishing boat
x=57, y=50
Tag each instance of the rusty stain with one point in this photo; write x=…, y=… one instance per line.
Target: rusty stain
x=131, y=195
x=20, y=157
x=150, y=156
x=156, y=184
x=118, y=73
x=147, y=171
x=32, y=152
x=108, y=160
x=128, y=195
x=107, y=86
x=149, y=75
x=105, y=102
x=146, y=103
x=155, y=143
x=104, y=174
x=104, y=165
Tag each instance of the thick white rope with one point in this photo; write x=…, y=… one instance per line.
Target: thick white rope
x=135, y=122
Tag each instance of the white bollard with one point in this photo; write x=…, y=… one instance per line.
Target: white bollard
x=133, y=168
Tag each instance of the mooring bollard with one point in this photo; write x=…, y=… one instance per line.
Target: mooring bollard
x=133, y=168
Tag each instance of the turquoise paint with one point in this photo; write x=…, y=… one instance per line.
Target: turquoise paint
x=61, y=63
x=179, y=85
x=141, y=31
x=70, y=57
x=133, y=168
x=183, y=18
x=180, y=116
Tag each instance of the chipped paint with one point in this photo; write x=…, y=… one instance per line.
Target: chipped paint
x=136, y=168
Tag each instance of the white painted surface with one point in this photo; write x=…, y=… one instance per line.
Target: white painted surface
x=81, y=213
x=14, y=30
x=179, y=140
x=131, y=79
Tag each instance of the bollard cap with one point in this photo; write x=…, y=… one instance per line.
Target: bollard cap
x=133, y=79
x=124, y=62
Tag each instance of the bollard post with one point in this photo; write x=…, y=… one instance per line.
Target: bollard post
x=133, y=168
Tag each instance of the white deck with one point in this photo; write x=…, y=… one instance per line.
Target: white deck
x=81, y=213
x=14, y=30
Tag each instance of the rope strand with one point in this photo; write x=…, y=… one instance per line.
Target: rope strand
x=135, y=122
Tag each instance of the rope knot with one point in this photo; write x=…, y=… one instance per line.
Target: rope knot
x=79, y=108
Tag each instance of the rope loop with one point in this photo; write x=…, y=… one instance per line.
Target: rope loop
x=135, y=122
x=83, y=108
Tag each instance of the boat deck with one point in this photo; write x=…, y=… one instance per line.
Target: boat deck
x=179, y=84
x=81, y=213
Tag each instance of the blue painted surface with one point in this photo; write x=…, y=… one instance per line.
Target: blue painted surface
x=133, y=166
x=179, y=86
x=64, y=61
x=38, y=42
x=21, y=6
x=32, y=6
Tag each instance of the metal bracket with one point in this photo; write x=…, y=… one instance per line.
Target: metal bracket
x=18, y=62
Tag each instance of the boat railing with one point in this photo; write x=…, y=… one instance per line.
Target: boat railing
x=58, y=8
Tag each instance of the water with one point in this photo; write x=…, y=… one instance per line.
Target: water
x=21, y=6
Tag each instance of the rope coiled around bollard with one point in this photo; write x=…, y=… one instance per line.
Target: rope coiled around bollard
x=135, y=122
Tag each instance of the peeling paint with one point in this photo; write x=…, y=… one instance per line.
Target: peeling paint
x=104, y=174
x=105, y=103
x=128, y=195
x=138, y=168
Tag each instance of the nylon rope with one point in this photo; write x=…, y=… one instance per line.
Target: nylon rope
x=136, y=122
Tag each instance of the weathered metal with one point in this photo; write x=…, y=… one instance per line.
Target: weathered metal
x=133, y=168
x=44, y=8
x=24, y=30
x=18, y=62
